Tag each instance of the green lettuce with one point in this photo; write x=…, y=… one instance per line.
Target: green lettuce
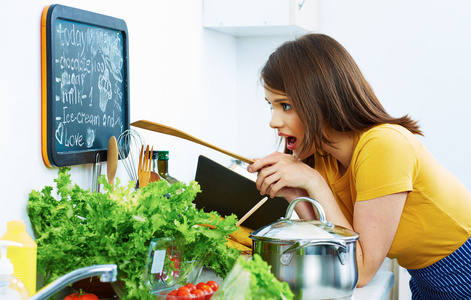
x=252, y=279
x=77, y=228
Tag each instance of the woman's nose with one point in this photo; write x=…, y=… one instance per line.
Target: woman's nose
x=275, y=121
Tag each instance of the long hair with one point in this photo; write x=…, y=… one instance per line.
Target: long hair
x=325, y=87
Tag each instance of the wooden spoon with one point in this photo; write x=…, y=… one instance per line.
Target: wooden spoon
x=112, y=159
x=251, y=211
x=178, y=133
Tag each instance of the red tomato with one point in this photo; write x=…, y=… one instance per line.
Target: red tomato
x=69, y=297
x=198, y=294
x=208, y=292
x=172, y=295
x=81, y=296
x=182, y=290
x=213, y=284
x=200, y=284
x=184, y=293
x=176, y=263
x=191, y=287
x=206, y=288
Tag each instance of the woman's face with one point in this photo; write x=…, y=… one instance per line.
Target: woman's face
x=286, y=121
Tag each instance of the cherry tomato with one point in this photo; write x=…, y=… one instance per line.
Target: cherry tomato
x=69, y=297
x=208, y=292
x=206, y=288
x=172, y=295
x=176, y=263
x=200, y=284
x=213, y=284
x=81, y=296
x=184, y=292
x=191, y=287
x=198, y=294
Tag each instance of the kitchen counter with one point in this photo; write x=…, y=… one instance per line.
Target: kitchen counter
x=378, y=288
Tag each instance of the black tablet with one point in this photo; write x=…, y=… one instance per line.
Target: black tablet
x=228, y=192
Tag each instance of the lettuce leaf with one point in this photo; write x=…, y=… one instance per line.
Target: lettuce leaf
x=77, y=228
x=252, y=279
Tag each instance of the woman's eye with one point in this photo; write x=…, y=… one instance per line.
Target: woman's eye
x=286, y=106
x=271, y=106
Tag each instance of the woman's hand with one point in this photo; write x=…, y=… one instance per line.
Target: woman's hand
x=272, y=169
x=283, y=175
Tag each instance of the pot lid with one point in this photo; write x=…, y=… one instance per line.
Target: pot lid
x=293, y=230
x=286, y=229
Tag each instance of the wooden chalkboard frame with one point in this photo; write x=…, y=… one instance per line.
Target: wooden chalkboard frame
x=52, y=156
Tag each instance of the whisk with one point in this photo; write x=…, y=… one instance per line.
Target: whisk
x=129, y=149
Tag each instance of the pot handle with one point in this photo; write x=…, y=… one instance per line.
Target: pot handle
x=286, y=256
x=341, y=244
x=317, y=205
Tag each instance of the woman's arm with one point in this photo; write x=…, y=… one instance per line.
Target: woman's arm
x=376, y=220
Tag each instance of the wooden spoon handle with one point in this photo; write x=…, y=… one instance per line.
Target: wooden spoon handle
x=112, y=159
x=251, y=211
x=178, y=133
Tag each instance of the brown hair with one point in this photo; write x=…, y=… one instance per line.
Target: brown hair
x=325, y=86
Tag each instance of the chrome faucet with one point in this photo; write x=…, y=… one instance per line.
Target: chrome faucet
x=107, y=273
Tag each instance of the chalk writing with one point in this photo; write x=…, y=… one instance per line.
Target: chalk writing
x=89, y=72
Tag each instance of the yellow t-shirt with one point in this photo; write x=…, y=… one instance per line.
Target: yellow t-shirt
x=389, y=159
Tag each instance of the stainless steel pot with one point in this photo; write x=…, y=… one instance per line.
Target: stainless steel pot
x=316, y=258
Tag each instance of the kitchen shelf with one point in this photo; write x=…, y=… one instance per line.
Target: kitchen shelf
x=245, y=18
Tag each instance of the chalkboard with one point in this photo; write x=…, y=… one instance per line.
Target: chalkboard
x=85, y=97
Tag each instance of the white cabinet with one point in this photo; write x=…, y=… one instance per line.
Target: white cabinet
x=261, y=17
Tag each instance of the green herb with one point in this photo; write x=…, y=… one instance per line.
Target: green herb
x=78, y=228
x=252, y=279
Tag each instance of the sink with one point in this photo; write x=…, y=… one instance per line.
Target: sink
x=107, y=273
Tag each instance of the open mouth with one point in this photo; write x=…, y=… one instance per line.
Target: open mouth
x=291, y=142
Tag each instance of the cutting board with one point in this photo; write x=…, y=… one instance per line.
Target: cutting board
x=228, y=192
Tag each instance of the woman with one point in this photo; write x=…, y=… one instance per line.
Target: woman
x=366, y=168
